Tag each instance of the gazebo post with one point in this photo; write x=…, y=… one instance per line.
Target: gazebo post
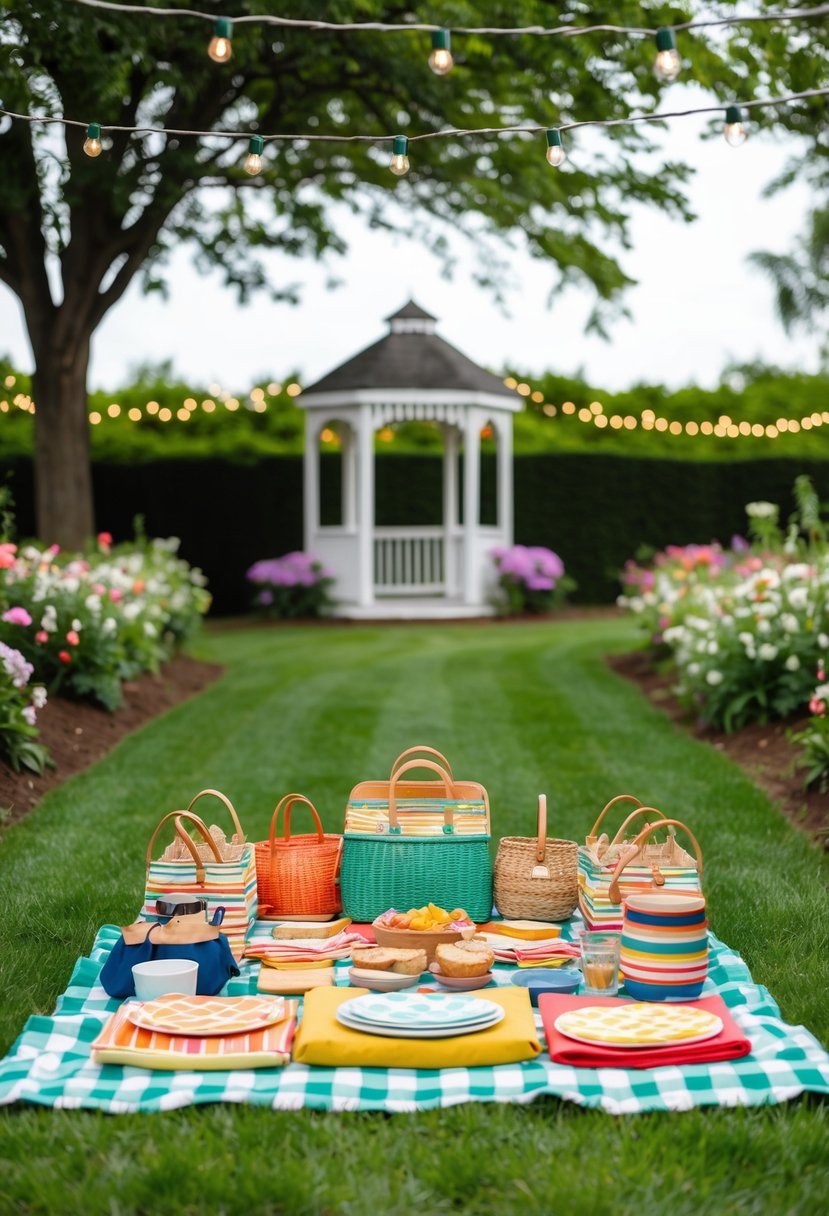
x=350, y=479
x=365, y=514
x=471, y=501
x=450, y=508
x=310, y=482
x=503, y=435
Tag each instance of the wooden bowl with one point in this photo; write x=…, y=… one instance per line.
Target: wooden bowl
x=415, y=939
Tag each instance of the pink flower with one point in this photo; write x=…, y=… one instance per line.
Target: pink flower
x=54, y=550
x=65, y=656
x=116, y=594
x=17, y=616
x=105, y=541
x=72, y=638
x=41, y=636
x=7, y=553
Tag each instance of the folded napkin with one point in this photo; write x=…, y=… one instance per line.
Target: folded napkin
x=729, y=1044
x=302, y=950
x=122, y=1042
x=321, y=1039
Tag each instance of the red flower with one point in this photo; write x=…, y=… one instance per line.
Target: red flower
x=72, y=638
x=41, y=636
x=65, y=656
x=105, y=541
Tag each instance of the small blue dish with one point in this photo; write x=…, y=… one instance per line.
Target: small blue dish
x=539, y=981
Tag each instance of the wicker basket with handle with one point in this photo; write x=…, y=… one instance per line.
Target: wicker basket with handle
x=298, y=875
x=536, y=878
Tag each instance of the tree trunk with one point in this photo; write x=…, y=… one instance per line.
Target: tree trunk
x=63, y=475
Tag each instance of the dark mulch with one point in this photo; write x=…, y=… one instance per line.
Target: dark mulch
x=765, y=752
x=77, y=735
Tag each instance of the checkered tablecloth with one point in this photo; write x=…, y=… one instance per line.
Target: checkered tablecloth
x=50, y=1063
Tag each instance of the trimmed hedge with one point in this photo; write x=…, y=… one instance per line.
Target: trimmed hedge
x=594, y=510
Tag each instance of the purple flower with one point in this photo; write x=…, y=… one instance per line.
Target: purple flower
x=30, y=714
x=739, y=544
x=17, y=616
x=15, y=666
x=265, y=598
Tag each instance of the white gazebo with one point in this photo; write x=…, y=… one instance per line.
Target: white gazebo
x=410, y=374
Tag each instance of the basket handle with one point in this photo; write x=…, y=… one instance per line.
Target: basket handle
x=188, y=840
x=432, y=751
x=636, y=846
x=229, y=806
x=641, y=810
x=448, y=814
x=591, y=839
x=288, y=801
x=541, y=841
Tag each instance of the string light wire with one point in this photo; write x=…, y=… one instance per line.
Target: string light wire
x=565, y=31
x=446, y=133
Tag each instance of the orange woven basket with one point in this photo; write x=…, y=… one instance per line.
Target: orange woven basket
x=298, y=876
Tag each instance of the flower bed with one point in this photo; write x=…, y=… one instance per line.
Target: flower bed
x=530, y=579
x=85, y=623
x=292, y=586
x=746, y=629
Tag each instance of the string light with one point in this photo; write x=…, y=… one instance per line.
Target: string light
x=92, y=144
x=399, y=163
x=555, y=152
x=567, y=31
x=220, y=47
x=667, y=63
x=440, y=60
x=253, y=163
x=735, y=131
x=444, y=133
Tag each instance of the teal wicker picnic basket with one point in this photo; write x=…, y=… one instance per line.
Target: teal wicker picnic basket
x=390, y=869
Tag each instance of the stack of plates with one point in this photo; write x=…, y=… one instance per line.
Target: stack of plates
x=419, y=1016
x=207, y=1015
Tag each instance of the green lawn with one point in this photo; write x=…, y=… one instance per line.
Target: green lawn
x=524, y=708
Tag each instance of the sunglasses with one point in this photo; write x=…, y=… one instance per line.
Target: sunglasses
x=189, y=907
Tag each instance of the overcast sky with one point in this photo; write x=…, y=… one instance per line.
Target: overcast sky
x=697, y=306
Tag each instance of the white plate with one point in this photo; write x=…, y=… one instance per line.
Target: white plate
x=414, y=1032
x=381, y=981
x=426, y=1011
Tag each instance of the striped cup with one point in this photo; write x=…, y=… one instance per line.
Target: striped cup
x=664, y=954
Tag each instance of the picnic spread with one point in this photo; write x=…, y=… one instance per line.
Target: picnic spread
x=372, y=971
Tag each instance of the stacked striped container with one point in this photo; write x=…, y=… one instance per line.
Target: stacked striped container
x=602, y=912
x=664, y=954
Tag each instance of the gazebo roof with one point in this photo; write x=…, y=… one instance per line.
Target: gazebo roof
x=411, y=356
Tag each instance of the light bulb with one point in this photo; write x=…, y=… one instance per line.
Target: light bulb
x=256, y=147
x=220, y=47
x=399, y=163
x=92, y=144
x=440, y=60
x=667, y=63
x=735, y=131
x=555, y=152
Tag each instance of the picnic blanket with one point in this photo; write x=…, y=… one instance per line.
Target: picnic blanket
x=50, y=1063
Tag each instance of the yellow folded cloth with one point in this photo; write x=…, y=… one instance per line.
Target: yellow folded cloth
x=321, y=1039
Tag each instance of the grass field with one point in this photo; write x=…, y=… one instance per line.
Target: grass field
x=524, y=708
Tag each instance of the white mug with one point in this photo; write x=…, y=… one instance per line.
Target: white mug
x=161, y=976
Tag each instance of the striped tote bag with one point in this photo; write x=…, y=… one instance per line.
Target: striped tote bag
x=220, y=872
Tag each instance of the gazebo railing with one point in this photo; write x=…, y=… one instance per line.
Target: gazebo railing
x=409, y=561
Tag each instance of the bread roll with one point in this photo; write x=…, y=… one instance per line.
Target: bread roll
x=465, y=959
x=376, y=958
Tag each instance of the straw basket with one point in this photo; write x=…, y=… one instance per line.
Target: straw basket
x=536, y=878
x=298, y=876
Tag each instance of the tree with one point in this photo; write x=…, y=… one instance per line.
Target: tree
x=74, y=232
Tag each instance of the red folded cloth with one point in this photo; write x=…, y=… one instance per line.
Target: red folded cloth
x=366, y=931
x=729, y=1044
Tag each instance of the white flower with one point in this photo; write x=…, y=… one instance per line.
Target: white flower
x=822, y=641
x=674, y=633
x=763, y=627
x=713, y=648
x=792, y=663
x=693, y=669
x=38, y=696
x=150, y=629
x=714, y=677
x=92, y=603
x=110, y=625
x=767, y=652
x=799, y=597
x=789, y=623
x=747, y=639
x=762, y=510
x=77, y=625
